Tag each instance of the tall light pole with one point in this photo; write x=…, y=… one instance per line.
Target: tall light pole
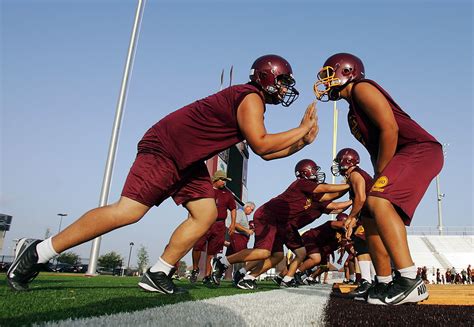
x=334, y=142
x=129, y=255
x=61, y=215
x=104, y=194
x=440, y=196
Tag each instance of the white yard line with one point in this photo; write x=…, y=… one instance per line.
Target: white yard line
x=302, y=306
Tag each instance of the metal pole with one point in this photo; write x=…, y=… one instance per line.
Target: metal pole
x=61, y=220
x=440, y=214
x=115, y=131
x=130, y=254
x=334, y=142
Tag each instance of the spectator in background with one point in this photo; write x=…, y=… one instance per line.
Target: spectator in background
x=453, y=275
x=469, y=275
x=438, y=276
x=424, y=274
x=239, y=240
x=464, y=276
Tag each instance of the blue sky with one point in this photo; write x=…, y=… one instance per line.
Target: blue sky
x=62, y=63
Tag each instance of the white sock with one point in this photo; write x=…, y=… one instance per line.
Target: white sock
x=365, y=270
x=286, y=279
x=224, y=260
x=408, y=272
x=161, y=265
x=243, y=271
x=250, y=277
x=352, y=277
x=384, y=279
x=45, y=251
x=372, y=271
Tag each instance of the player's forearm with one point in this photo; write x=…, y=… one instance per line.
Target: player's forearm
x=273, y=143
x=387, y=148
x=285, y=152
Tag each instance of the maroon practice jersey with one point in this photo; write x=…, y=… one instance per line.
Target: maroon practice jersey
x=321, y=237
x=224, y=200
x=368, y=134
x=203, y=128
x=294, y=202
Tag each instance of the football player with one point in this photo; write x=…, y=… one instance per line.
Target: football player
x=278, y=220
x=405, y=158
x=170, y=163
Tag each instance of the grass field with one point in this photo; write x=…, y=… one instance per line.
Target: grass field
x=60, y=296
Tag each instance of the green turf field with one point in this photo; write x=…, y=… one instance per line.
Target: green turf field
x=61, y=296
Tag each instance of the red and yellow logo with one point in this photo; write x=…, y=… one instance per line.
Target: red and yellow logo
x=380, y=184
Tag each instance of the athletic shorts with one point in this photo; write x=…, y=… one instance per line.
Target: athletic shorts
x=407, y=176
x=313, y=245
x=271, y=233
x=214, y=238
x=154, y=177
x=360, y=245
x=238, y=242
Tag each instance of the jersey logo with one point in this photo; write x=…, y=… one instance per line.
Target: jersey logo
x=308, y=203
x=380, y=184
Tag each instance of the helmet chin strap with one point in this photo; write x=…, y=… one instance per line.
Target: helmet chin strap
x=334, y=94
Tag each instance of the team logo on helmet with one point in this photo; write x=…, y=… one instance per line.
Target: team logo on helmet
x=338, y=71
x=307, y=169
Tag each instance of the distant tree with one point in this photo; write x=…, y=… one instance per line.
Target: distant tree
x=70, y=258
x=47, y=234
x=142, y=259
x=110, y=260
x=182, y=268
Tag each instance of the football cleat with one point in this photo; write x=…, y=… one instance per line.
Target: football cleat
x=160, y=282
x=25, y=266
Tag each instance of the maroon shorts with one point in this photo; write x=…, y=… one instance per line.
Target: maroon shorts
x=214, y=238
x=154, y=177
x=313, y=244
x=407, y=176
x=238, y=242
x=272, y=235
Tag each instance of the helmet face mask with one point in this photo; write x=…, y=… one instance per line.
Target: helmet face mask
x=338, y=71
x=307, y=169
x=345, y=159
x=275, y=76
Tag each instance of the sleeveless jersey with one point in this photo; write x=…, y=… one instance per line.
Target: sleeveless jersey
x=203, y=128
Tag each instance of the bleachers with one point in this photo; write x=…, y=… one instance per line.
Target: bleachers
x=442, y=251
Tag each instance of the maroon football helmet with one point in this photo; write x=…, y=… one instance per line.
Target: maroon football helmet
x=341, y=216
x=338, y=71
x=275, y=76
x=345, y=159
x=308, y=169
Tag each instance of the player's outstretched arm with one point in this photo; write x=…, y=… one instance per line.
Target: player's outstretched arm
x=250, y=117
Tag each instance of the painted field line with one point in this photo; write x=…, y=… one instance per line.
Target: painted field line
x=303, y=306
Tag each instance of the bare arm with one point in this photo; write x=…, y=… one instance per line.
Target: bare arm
x=232, y=221
x=251, y=124
x=358, y=186
x=377, y=108
x=331, y=188
x=339, y=206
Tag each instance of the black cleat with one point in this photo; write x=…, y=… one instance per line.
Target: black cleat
x=247, y=284
x=405, y=290
x=376, y=293
x=291, y=283
x=277, y=280
x=25, y=267
x=208, y=282
x=218, y=270
x=194, y=276
x=300, y=278
x=160, y=282
x=237, y=277
x=361, y=292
